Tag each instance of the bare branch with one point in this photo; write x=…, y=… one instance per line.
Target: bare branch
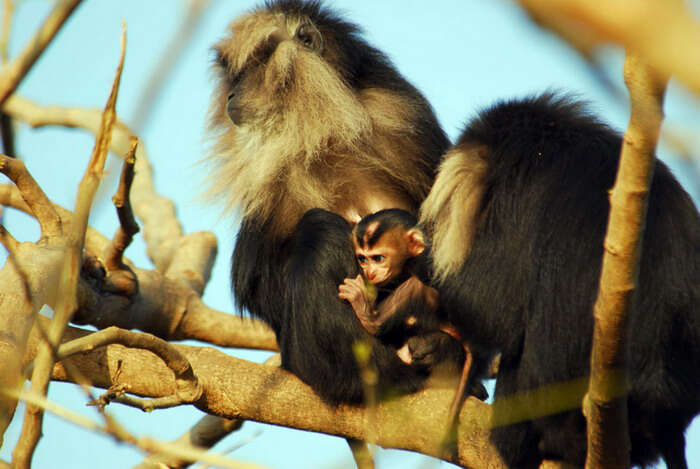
x=7, y=14
x=7, y=240
x=127, y=225
x=68, y=279
x=161, y=229
x=164, y=307
x=208, y=431
x=662, y=33
x=234, y=388
x=37, y=201
x=12, y=75
x=188, y=387
x=362, y=453
x=15, y=327
x=605, y=405
x=144, y=443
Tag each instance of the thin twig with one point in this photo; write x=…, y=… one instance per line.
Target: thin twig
x=8, y=13
x=11, y=76
x=68, y=280
x=146, y=444
x=149, y=405
x=127, y=224
x=162, y=230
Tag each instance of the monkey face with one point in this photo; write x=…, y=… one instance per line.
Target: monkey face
x=285, y=108
x=305, y=112
x=285, y=62
x=383, y=262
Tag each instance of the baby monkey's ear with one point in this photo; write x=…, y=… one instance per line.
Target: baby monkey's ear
x=415, y=241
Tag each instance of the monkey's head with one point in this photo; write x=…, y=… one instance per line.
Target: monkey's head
x=305, y=112
x=289, y=74
x=384, y=241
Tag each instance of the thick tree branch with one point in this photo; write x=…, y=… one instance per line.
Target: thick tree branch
x=605, y=405
x=164, y=307
x=207, y=432
x=234, y=388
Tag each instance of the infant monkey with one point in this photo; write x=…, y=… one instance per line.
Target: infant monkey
x=392, y=297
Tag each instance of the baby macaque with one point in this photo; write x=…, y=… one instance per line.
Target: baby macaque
x=392, y=297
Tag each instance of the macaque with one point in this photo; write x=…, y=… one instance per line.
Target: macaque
x=517, y=218
x=389, y=297
x=387, y=246
x=304, y=114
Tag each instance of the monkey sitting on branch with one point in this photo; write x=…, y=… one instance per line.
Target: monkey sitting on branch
x=517, y=218
x=393, y=300
x=305, y=113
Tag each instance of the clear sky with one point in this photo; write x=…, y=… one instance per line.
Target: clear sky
x=462, y=54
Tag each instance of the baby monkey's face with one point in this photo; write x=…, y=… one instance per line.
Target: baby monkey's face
x=384, y=260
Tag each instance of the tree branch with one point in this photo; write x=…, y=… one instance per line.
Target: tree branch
x=12, y=75
x=68, y=280
x=234, y=388
x=662, y=33
x=605, y=405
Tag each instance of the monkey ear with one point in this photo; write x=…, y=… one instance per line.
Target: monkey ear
x=415, y=241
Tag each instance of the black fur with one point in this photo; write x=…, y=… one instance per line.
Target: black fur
x=528, y=286
x=291, y=283
x=315, y=329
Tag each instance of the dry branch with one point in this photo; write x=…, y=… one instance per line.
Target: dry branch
x=68, y=279
x=161, y=229
x=144, y=443
x=188, y=388
x=605, y=405
x=234, y=388
x=164, y=307
x=8, y=8
x=38, y=203
x=663, y=33
x=127, y=225
x=206, y=433
x=189, y=258
x=12, y=74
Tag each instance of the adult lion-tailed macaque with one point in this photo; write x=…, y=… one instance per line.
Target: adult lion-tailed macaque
x=393, y=300
x=517, y=218
x=307, y=115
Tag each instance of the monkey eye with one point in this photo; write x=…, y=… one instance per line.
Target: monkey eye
x=309, y=36
x=361, y=259
x=378, y=258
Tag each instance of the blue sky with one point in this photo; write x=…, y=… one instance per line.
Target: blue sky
x=462, y=54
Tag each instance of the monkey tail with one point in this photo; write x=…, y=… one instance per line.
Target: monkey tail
x=450, y=212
